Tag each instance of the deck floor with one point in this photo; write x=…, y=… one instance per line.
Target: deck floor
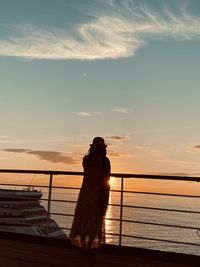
x=15, y=253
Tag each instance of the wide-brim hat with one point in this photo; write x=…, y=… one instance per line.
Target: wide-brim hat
x=98, y=142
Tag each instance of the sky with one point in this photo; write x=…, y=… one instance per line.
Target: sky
x=125, y=70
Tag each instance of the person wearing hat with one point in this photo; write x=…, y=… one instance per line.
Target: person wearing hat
x=88, y=225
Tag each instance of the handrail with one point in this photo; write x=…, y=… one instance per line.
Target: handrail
x=117, y=175
x=133, y=221
x=112, y=190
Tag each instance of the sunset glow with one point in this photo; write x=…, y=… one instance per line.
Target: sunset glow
x=114, y=182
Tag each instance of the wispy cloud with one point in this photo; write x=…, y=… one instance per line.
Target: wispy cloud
x=85, y=114
x=121, y=109
x=4, y=138
x=154, y=131
x=117, y=137
x=16, y=150
x=114, y=154
x=180, y=163
x=77, y=145
x=154, y=152
x=196, y=148
x=51, y=156
x=56, y=139
x=124, y=29
x=98, y=113
x=88, y=114
x=84, y=75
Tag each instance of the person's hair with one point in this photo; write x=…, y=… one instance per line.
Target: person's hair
x=97, y=151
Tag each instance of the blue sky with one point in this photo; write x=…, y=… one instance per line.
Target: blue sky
x=124, y=70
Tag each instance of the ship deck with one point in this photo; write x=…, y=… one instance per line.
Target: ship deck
x=26, y=251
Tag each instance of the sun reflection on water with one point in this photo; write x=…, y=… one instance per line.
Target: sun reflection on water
x=114, y=182
x=112, y=213
x=109, y=223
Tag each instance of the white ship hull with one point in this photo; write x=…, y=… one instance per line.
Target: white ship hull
x=21, y=212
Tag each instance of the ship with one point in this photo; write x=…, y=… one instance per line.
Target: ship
x=21, y=212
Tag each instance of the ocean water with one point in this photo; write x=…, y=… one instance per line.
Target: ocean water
x=137, y=229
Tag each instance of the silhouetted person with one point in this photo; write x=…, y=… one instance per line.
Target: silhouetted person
x=88, y=225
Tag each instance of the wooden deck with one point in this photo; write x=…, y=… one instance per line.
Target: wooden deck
x=23, y=251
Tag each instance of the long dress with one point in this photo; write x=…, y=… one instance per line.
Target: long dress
x=88, y=224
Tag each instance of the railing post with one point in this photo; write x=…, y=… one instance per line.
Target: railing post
x=49, y=203
x=121, y=210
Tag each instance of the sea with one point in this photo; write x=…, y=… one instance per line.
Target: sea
x=177, y=196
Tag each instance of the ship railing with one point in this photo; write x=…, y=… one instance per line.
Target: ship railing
x=121, y=205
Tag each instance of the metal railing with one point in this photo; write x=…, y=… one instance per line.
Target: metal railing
x=121, y=220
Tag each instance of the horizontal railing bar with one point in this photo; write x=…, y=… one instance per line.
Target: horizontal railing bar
x=63, y=214
x=161, y=240
x=152, y=223
x=163, y=194
x=59, y=200
x=42, y=186
x=154, y=239
x=138, y=237
x=33, y=224
x=114, y=234
x=65, y=228
x=156, y=224
x=134, y=221
x=153, y=193
x=112, y=190
x=117, y=175
x=152, y=208
x=161, y=224
x=66, y=187
x=25, y=185
x=130, y=206
x=112, y=219
x=162, y=209
x=145, y=238
x=46, y=172
x=71, y=215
